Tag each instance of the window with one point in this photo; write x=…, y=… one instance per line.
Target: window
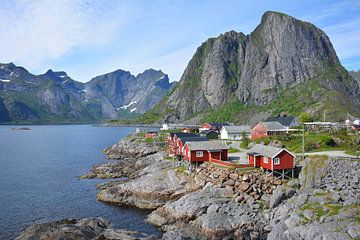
x=188, y=154
x=265, y=160
x=199, y=154
x=276, y=161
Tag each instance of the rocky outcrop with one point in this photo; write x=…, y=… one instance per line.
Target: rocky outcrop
x=280, y=54
x=210, y=214
x=151, y=190
x=80, y=229
x=326, y=206
x=130, y=147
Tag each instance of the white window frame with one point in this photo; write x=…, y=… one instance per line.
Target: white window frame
x=199, y=153
x=266, y=160
x=277, y=161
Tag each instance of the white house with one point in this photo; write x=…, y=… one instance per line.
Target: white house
x=234, y=132
x=164, y=127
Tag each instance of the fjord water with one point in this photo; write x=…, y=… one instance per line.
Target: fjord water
x=38, y=177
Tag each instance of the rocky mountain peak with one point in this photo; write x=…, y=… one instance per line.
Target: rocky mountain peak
x=282, y=52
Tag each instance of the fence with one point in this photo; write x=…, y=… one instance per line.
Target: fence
x=230, y=164
x=347, y=158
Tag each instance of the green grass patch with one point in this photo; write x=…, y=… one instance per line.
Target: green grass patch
x=233, y=150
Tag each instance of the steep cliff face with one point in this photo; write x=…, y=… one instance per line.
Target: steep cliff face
x=120, y=92
x=281, y=53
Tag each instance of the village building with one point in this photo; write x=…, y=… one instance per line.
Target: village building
x=183, y=140
x=234, y=132
x=286, y=121
x=210, y=134
x=151, y=134
x=271, y=158
x=212, y=126
x=172, y=140
x=205, y=151
x=265, y=129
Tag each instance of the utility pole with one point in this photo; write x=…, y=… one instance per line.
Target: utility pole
x=303, y=144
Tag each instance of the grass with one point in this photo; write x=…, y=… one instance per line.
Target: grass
x=316, y=142
x=233, y=150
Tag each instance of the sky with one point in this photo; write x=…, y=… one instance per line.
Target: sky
x=87, y=38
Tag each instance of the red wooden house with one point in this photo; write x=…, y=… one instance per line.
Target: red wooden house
x=265, y=129
x=151, y=134
x=204, y=151
x=183, y=140
x=172, y=141
x=212, y=126
x=271, y=158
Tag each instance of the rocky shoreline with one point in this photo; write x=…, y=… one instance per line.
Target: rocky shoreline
x=218, y=203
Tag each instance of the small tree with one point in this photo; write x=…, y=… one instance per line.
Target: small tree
x=245, y=140
x=305, y=117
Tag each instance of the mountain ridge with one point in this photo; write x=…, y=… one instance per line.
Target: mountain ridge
x=55, y=97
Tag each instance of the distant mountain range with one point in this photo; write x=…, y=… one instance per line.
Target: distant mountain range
x=284, y=66
x=55, y=97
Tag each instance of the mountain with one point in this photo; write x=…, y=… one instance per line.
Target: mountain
x=355, y=75
x=119, y=91
x=284, y=66
x=56, y=97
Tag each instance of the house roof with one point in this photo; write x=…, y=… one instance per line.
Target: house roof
x=265, y=150
x=236, y=129
x=184, y=140
x=207, y=145
x=217, y=124
x=182, y=134
x=208, y=131
x=272, y=126
x=285, y=120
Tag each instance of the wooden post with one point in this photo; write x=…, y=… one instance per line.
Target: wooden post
x=303, y=145
x=292, y=173
x=282, y=174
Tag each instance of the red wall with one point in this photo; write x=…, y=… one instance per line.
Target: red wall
x=206, y=155
x=266, y=165
x=206, y=125
x=251, y=160
x=259, y=131
x=286, y=161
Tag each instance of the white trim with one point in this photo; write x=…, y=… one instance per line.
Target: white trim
x=283, y=149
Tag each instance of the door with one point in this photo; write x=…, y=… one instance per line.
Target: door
x=257, y=161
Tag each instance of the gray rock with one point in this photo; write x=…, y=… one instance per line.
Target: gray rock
x=277, y=197
x=80, y=229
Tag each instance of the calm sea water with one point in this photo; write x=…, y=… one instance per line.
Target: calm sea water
x=38, y=177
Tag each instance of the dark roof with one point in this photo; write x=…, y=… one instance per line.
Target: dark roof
x=184, y=140
x=284, y=120
x=218, y=124
x=182, y=134
x=209, y=131
x=207, y=145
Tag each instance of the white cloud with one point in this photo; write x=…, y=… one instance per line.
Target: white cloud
x=35, y=32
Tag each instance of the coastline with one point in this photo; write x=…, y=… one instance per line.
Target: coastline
x=188, y=206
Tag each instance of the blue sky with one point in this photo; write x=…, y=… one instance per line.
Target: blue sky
x=87, y=38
